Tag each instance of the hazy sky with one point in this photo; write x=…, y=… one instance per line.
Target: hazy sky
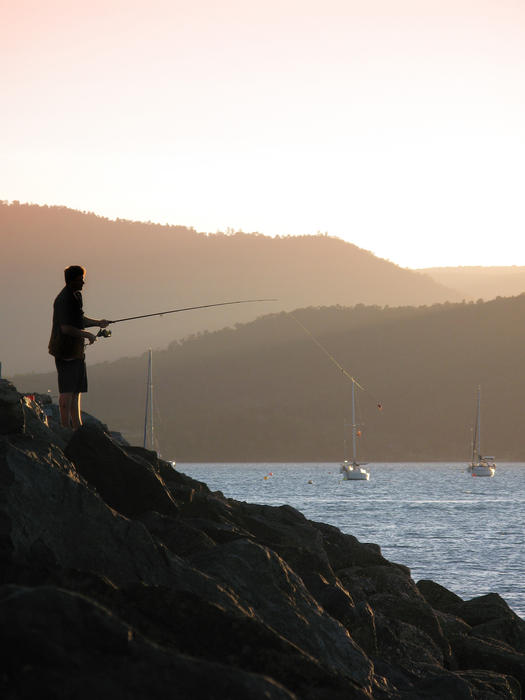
x=398, y=125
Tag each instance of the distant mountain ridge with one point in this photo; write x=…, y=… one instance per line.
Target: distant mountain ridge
x=475, y=282
x=265, y=391
x=137, y=268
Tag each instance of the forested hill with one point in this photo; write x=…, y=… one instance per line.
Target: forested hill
x=138, y=268
x=266, y=391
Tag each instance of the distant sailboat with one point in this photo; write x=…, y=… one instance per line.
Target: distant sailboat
x=353, y=471
x=150, y=442
x=480, y=466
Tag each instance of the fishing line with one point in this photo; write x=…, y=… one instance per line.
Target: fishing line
x=335, y=362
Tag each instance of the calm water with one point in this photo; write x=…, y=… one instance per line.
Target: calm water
x=464, y=533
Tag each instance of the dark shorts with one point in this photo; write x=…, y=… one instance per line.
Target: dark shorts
x=72, y=376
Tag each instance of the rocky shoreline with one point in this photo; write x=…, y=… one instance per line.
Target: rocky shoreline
x=124, y=578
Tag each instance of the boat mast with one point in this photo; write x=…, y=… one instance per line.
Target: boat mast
x=479, y=422
x=148, y=413
x=346, y=424
x=354, y=445
x=476, y=437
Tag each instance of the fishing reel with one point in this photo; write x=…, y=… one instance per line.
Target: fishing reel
x=104, y=333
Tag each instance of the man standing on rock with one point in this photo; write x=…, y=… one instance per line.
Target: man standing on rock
x=67, y=345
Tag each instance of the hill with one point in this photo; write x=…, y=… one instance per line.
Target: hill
x=138, y=268
x=265, y=391
x=473, y=282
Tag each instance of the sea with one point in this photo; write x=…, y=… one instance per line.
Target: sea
x=465, y=533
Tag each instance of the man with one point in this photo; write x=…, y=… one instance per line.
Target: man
x=67, y=345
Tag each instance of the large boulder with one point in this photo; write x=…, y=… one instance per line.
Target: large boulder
x=277, y=596
x=50, y=517
x=439, y=597
x=129, y=484
x=71, y=647
x=473, y=653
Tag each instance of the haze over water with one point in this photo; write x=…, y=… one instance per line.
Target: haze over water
x=464, y=533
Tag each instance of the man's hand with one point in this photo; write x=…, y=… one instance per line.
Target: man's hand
x=90, y=337
x=103, y=322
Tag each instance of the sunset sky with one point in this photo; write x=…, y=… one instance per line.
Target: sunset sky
x=398, y=126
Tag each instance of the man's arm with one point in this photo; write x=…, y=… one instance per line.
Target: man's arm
x=78, y=333
x=101, y=323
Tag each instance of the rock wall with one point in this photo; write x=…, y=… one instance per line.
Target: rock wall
x=123, y=578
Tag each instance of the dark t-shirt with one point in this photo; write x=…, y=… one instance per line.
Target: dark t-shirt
x=67, y=311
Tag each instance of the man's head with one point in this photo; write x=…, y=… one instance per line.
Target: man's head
x=74, y=276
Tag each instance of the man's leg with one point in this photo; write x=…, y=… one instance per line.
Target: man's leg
x=64, y=405
x=76, y=418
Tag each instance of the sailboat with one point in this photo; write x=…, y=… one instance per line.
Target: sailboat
x=480, y=466
x=149, y=425
x=353, y=471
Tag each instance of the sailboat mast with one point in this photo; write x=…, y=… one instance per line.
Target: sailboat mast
x=479, y=421
x=354, y=445
x=148, y=413
x=476, y=445
x=345, y=421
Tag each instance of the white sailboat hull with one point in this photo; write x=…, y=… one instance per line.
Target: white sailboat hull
x=353, y=472
x=356, y=476
x=481, y=469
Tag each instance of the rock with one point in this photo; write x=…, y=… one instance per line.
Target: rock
x=11, y=412
x=474, y=653
x=420, y=624
x=129, y=485
x=117, y=437
x=439, y=597
x=487, y=608
x=73, y=647
x=509, y=629
x=345, y=551
x=452, y=625
x=358, y=618
x=44, y=503
x=122, y=577
x=178, y=536
x=491, y=686
x=279, y=598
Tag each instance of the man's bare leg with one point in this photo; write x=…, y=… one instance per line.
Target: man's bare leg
x=76, y=418
x=64, y=405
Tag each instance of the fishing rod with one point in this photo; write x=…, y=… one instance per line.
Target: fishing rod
x=105, y=333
